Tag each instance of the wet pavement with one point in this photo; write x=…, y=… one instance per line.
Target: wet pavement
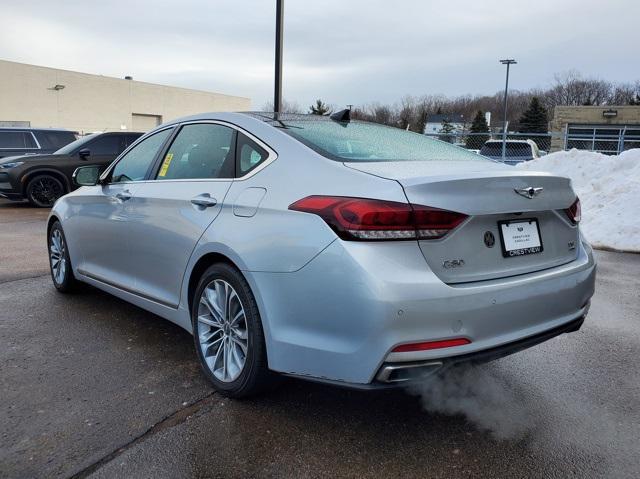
x=94, y=387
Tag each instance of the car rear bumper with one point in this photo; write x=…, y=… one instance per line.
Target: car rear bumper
x=395, y=375
x=340, y=317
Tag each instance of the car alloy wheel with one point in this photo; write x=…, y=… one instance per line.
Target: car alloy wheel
x=43, y=191
x=222, y=330
x=59, y=260
x=58, y=256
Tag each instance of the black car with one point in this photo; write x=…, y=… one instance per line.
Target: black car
x=33, y=141
x=42, y=179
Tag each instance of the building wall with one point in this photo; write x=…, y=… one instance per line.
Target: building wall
x=589, y=115
x=90, y=103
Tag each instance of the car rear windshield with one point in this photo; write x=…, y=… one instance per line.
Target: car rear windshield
x=512, y=149
x=361, y=141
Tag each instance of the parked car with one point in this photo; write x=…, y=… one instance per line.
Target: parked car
x=333, y=250
x=42, y=179
x=516, y=151
x=33, y=141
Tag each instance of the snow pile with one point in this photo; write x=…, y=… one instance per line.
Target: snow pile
x=609, y=191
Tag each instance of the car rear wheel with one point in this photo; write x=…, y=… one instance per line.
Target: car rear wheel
x=44, y=190
x=59, y=261
x=228, y=333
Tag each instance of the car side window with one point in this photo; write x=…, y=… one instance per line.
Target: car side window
x=106, y=145
x=134, y=165
x=16, y=140
x=249, y=155
x=203, y=150
x=56, y=139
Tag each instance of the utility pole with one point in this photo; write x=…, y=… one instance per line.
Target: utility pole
x=277, y=94
x=507, y=62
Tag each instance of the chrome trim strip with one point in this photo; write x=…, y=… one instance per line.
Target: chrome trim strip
x=36, y=140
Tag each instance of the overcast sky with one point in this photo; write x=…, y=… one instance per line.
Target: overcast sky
x=343, y=51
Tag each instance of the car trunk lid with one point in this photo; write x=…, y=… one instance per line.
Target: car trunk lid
x=487, y=192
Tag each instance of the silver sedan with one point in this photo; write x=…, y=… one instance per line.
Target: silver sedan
x=326, y=248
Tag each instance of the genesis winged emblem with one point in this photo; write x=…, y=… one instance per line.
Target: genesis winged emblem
x=529, y=192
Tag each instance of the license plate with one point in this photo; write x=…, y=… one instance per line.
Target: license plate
x=520, y=237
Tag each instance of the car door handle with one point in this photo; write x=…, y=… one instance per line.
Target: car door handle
x=204, y=201
x=124, y=195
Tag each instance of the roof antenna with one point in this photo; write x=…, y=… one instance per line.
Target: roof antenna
x=342, y=116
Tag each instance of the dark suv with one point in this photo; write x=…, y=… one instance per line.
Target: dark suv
x=33, y=141
x=42, y=179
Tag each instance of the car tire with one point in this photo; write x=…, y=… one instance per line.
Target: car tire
x=224, y=316
x=59, y=260
x=43, y=190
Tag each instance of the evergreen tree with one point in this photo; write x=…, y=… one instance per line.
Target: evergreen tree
x=320, y=108
x=535, y=118
x=478, y=126
x=446, y=132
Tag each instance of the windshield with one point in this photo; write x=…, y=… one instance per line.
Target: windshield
x=74, y=145
x=362, y=141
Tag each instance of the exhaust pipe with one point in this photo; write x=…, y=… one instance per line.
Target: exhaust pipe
x=401, y=372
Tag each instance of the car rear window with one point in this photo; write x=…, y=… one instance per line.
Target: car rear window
x=362, y=141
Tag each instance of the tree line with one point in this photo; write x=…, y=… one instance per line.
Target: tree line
x=527, y=110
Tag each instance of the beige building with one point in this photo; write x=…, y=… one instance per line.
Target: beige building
x=606, y=129
x=47, y=97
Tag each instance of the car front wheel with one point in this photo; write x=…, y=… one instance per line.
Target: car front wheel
x=228, y=333
x=43, y=191
x=59, y=261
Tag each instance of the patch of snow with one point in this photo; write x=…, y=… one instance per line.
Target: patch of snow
x=609, y=191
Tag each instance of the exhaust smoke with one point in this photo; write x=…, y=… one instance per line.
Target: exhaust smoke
x=482, y=396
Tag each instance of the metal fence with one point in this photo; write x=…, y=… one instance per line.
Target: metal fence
x=525, y=146
x=607, y=139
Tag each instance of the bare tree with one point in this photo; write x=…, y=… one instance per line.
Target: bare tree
x=572, y=89
x=287, y=107
x=625, y=93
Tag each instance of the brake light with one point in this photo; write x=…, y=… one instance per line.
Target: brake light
x=574, y=212
x=426, y=345
x=366, y=219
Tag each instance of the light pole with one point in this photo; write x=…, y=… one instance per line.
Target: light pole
x=507, y=62
x=277, y=93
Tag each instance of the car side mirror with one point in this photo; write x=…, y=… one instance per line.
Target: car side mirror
x=86, y=176
x=84, y=153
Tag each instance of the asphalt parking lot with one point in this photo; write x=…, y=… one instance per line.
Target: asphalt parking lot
x=94, y=387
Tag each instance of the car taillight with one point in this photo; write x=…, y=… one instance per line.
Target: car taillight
x=574, y=212
x=366, y=219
